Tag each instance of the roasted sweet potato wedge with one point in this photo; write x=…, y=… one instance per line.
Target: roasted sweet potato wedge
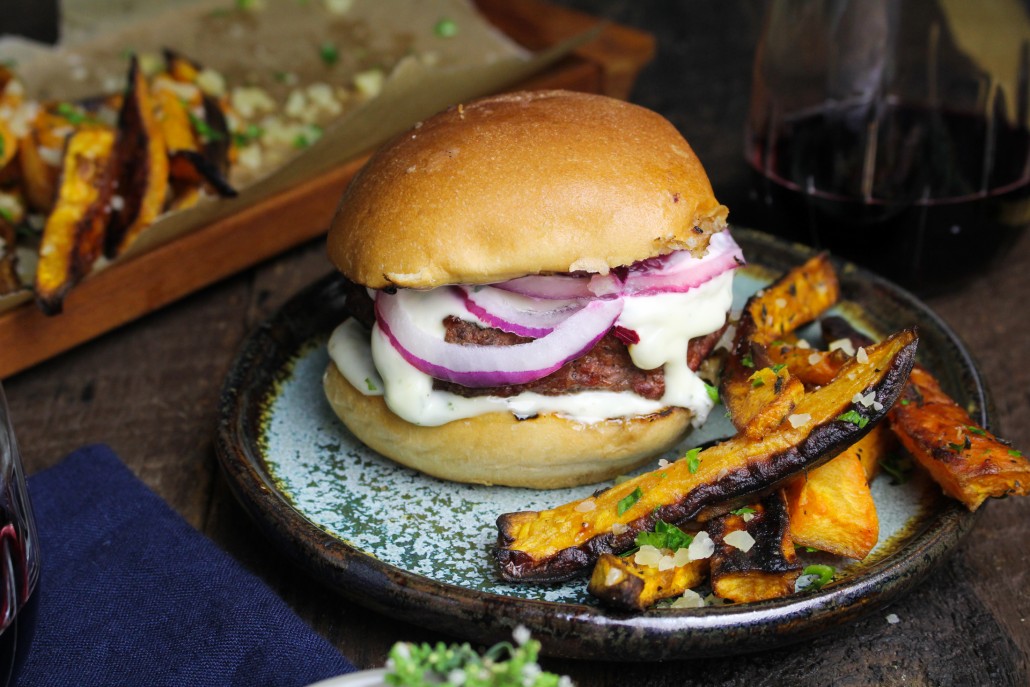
x=621, y=582
x=8, y=145
x=761, y=401
x=754, y=555
x=39, y=155
x=74, y=231
x=142, y=166
x=874, y=448
x=969, y=463
x=9, y=281
x=812, y=367
x=832, y=509
x=561, y=542
x=797, y=298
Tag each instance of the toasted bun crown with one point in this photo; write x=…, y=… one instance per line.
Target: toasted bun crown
x=523, y=183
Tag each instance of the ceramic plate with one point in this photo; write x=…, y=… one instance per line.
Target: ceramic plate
x=418, y=548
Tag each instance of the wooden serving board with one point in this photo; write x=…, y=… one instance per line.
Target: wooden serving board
x=151, y=280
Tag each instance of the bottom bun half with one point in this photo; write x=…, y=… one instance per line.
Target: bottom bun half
x=544, y=452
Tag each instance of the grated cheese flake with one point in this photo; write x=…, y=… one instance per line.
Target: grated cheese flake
x=681, y=557
x=740, y=539
x=690, y=599
x=586, y=505
x=861, y=356
x=666, y=563
x=844, y=345
x=799, y=419
x=647, y=555
x=701, y=547
x=614, y=577
x=619, y=528
x=814, y=359
x=802, y=343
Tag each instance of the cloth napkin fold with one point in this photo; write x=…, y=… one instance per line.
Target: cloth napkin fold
x=131, y=594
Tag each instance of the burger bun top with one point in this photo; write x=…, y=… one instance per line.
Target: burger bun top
x=523, y=183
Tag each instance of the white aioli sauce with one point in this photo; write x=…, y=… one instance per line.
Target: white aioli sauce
x=665, y=324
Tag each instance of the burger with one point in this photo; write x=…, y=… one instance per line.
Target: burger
x=533, y=280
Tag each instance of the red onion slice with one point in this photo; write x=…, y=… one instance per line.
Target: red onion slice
x=549, y=286
x=508, y=312
x=478, y=366
x=680, y=271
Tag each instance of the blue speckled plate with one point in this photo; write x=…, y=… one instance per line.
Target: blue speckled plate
x=419, y=548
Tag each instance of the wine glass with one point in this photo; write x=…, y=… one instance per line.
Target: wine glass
x=19, y=554
x=895, y=133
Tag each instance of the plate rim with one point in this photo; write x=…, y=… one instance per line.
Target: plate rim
x=570, y=630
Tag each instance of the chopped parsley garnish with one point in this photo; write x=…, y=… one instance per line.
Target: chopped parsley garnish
x=626, y=503
x=370, y=384
x=898, y=466
x=303, y=140
x=756, y=381
x=905, y=401
x=713, y=392
x=73, y=114
x=203, y=129
x=446, y=28
x=973, y=429
x=778, y=366
x=693, y=458
x=329, y=54
x=6, y=214
x=746, y=361
x=664, y=536
x=959, y=448
x=502, y=665
x=248, y=135
x=815, y=577
x=246, y=4
x=3, y=146
x=1015, y=453
x=854, y=417
x=744, y=511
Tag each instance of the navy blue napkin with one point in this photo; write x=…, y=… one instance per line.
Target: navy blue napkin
x=130, y=594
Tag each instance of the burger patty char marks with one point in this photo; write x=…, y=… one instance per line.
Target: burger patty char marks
x=605, y=367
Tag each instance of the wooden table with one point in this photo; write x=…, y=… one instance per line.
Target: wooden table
x=150, y=390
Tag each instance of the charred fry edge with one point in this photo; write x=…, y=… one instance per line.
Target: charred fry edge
x=760, y=471
x=769, y=569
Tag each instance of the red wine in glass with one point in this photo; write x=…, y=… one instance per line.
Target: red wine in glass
x=925, y=197
x=893, y=133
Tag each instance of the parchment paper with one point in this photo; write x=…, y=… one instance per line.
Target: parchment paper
x=277, y=47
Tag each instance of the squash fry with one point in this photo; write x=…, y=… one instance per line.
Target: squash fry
x=795, y=299
x=559, y=543
x=811, y=366
x=74, y=231
x=761, y=401
x=764, y=564
x=36, y=153
x=620, y=582
x=969, y=463
x=9, y=281
x=832, y=509
x=142, y=166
